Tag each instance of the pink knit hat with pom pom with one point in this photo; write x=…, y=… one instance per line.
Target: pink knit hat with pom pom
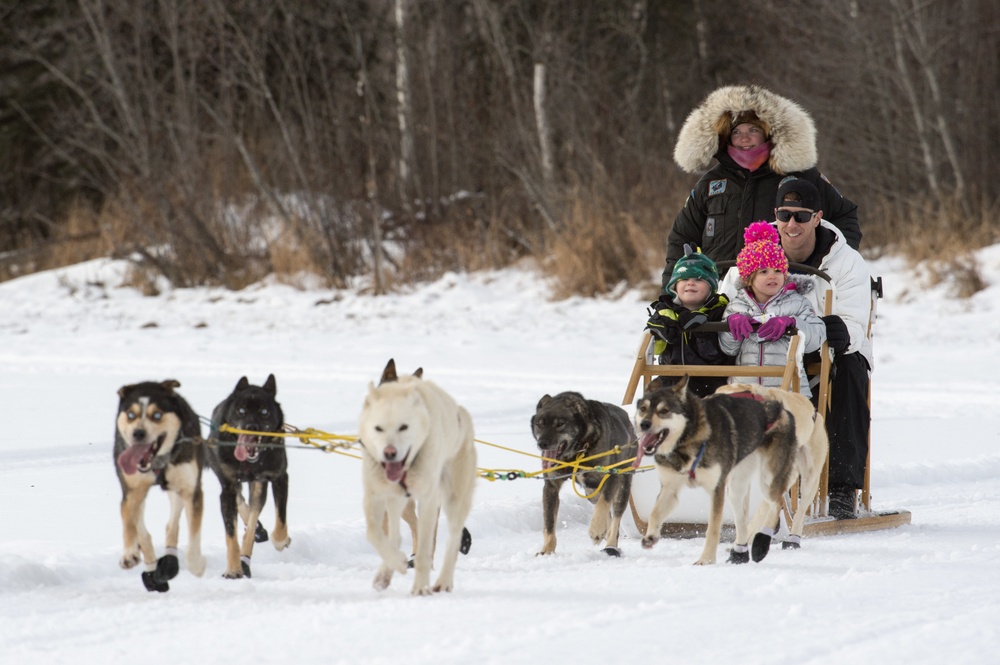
x=762, y=250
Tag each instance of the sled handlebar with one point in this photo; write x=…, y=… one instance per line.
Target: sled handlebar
x=724, y=266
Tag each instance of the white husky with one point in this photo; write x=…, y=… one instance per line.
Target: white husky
x=417, y=445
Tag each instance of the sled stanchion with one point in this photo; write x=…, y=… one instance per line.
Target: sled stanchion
x=822, y=369
x=637, y=369
x=790, y=377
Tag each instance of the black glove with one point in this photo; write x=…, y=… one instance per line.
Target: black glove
x=688, y=319
x=659, y=325
x=836, y=333
x=670, y=334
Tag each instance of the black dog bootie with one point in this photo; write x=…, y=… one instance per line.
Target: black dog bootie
x=167, y=567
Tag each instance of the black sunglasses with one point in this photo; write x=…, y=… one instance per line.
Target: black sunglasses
x=800, y=216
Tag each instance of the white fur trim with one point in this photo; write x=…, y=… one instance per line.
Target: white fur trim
x=793, y=132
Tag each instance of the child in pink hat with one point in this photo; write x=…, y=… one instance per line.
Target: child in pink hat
x=774, y=299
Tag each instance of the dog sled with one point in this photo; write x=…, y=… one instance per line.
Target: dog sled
x=819, y=522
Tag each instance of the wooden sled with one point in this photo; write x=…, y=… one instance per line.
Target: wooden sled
x=818, y=521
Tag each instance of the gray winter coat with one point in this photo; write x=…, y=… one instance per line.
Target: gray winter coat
x=792, y=301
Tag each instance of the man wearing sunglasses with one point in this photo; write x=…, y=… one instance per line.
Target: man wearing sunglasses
x=809, y=239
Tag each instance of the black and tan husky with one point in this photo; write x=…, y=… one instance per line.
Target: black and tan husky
x=699, y=442
x=569, y=426
x=158, y=442
x=255, y=459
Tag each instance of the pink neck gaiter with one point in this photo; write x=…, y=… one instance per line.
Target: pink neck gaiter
x=751, y=159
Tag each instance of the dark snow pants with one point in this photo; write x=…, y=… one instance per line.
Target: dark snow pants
x=849, y=421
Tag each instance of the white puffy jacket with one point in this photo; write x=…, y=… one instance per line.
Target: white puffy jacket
x=793, y=301
x=851, y=286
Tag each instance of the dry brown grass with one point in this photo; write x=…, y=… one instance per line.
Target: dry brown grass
x=297, y=257
x=465, y=235
x=78, y=239
x=598, y=248
x=600, y=244
x=942, y=237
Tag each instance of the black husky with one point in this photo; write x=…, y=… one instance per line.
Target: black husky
x=568, y=426
x=158, y=442
x=250, y=458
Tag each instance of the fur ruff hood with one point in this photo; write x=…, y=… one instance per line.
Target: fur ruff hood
x=792, y=131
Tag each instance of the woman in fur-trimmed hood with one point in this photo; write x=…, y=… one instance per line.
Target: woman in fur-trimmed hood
x=757, y=139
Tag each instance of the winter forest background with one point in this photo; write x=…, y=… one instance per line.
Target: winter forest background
x=213, y=142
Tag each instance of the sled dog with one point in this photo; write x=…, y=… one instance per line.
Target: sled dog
x=417, y=443
x=410, y=511
x=255, y=459
x=697, y=443
x=158, y=442
x=812, y=447
x=566, y=427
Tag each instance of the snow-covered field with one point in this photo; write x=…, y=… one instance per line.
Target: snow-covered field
x=924, y=593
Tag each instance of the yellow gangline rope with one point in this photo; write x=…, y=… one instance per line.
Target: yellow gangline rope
x=307, y=436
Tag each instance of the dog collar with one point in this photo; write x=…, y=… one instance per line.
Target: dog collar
x=694, y=465
x=402, y=481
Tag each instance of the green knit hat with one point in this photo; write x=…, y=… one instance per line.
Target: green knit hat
x=694, y=265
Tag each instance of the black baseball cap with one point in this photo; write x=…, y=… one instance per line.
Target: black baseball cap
x=808, y=194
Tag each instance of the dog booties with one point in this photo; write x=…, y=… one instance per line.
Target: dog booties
x=167, y=567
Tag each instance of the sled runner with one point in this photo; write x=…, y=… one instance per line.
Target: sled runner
x=819, y=522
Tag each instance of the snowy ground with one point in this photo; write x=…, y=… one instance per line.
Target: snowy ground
x=924, y=593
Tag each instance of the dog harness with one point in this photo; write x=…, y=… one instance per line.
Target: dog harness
x=694, y=465
x=749, y=395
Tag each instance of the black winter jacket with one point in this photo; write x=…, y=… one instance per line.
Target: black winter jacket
x=675, y=346
x=728, y=199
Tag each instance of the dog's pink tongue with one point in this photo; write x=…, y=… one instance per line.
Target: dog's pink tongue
x=241, y=453
x=546, y=464
x=129, y=459
x=393, y=471
x=638, y=457
x=646, y=440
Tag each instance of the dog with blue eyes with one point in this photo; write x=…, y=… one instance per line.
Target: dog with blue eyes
x=250, y=456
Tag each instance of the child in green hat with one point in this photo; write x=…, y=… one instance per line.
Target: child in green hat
x=691, y=299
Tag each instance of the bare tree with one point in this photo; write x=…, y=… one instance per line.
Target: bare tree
x=404, y=111
x=910, y=39
x=544, y=130
x=322, y=123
